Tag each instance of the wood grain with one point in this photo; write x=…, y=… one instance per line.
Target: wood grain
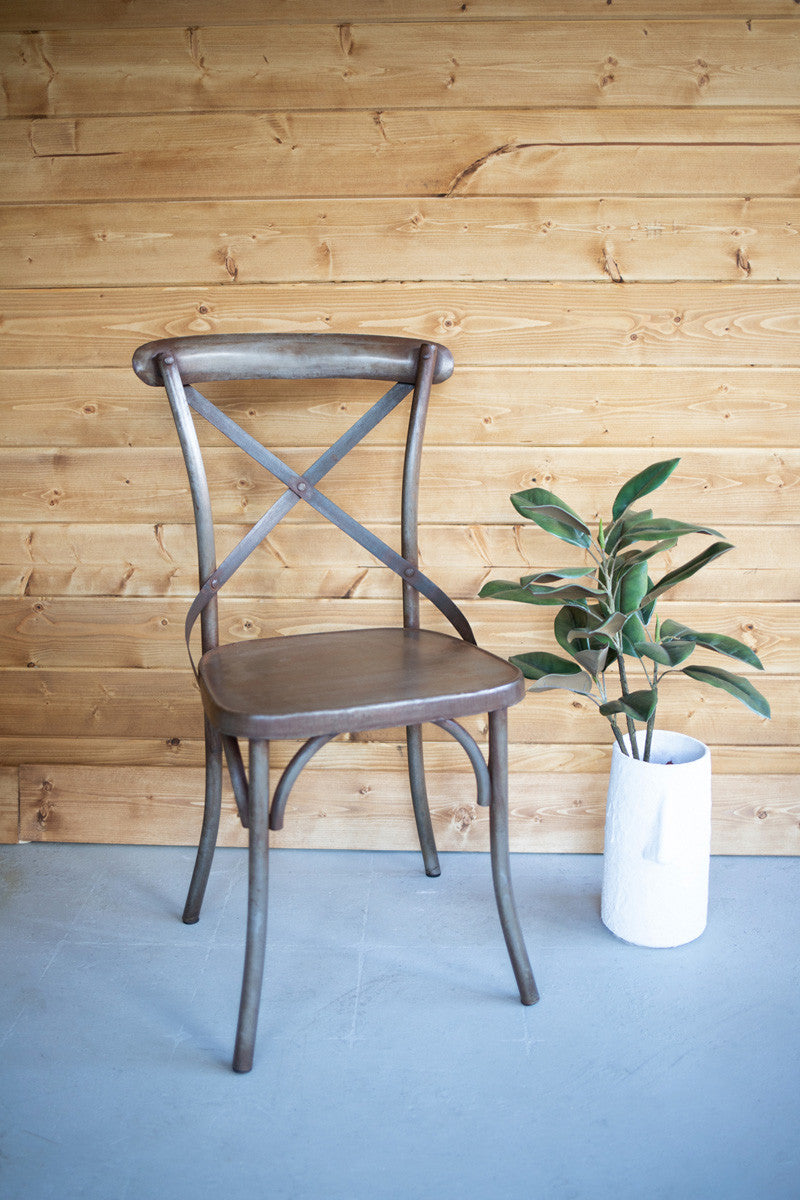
x=148, y=633
x=548, y=812
x=311, y=560
x=487, y=406
x=445, y=65
x=18, y=15
x=593, y=205
x=686, y=324
x=265, y=155
x=81, y=702
x=459, y=486
x=9, y=805
x=542, y=239
x=349, y=754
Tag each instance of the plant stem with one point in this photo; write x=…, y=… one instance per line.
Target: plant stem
x=648, y=741
x=623, y=679
x=618, y=736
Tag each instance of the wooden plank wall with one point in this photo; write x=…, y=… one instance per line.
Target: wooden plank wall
x=594, y=204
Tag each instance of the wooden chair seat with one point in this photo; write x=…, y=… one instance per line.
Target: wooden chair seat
x=309, y=684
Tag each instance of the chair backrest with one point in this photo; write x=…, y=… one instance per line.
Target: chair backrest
x=412, y=365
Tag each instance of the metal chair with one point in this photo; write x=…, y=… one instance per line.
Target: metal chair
x=316, y=686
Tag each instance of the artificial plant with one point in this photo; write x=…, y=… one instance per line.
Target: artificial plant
x=607, y=619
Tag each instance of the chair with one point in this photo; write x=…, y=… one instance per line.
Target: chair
x=316, y=686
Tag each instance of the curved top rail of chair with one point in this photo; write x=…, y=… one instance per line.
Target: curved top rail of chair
x=208, y=357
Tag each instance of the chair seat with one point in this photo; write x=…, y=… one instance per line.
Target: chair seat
x=309, y=684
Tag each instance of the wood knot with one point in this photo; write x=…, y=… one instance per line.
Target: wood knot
x=743, y=262
x=463, y=817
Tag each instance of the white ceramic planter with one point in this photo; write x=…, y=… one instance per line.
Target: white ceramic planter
x=657, y=844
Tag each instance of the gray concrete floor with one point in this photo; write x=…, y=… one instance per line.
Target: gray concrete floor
x=393, y=1058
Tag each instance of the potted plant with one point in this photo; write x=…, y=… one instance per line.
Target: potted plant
x=658, y=815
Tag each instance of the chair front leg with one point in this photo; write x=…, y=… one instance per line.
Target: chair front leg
x=210, y=830
x=256, y=907
x=501, y=864
x=419, y=797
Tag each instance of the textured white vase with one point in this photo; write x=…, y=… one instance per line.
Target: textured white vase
x=657, y=843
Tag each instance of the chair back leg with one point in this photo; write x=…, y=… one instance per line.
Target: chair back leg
x=419, y=797
x=501, y=865
x=210, y=830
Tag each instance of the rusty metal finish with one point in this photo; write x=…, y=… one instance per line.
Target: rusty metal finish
x=208, y=835
x=238, y=778
x=316, y=686
x=349, y=681
x=258, y=852
x=475, y=757
x=409, y=507
x=501, y=865
x=208, y=357
x=419, y=799
x=290, y=774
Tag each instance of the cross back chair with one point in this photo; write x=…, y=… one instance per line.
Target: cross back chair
x=316, y=686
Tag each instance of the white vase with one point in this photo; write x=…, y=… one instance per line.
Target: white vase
x=657, y=843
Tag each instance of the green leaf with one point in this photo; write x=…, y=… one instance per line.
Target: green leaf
x=569, y=593
x=505, y=589
x=537, y=663
x=735, y=685
x=633, y=588
x=552, y=515
x=636, y=556
x=648, y=604
x=556, y=574
x=565, y=621
x=607, y=629
x=582, y=647
x=581, y=684
x=640, y=485
x=633, y=631
x=639, y=705
x=593, y=661
x=617, y=528
x=658, y=529
x=687, y=570
x=720, y=642
x=668, y=654
x=552, y=673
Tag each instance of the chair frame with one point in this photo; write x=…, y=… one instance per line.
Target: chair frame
x=412, y=366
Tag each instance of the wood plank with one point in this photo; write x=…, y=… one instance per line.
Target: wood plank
x=370, y=810
x=347, y=754
x=9, y=805
x=281, y=241
x=265, y=155
x=446, y=65
x=160, y=560
x=753, y=487
x=487, y=406
x=148, y=633
x=687, y=324
x=18, y=15
x=159, y=703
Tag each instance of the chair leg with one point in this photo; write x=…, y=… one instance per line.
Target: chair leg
x=208, y=834
x=419, y=796
x=501, y=866
x=256, y=907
